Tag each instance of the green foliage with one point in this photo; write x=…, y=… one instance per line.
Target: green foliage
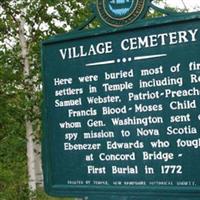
x=13, y=176
x=21, y=95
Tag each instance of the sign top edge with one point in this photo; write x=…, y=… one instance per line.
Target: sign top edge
x=74, y=34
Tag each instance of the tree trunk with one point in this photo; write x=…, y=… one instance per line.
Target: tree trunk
x=28, y=123
x=30, y=155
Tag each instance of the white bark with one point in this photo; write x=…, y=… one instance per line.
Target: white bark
x=30, y=156
x=28, y=123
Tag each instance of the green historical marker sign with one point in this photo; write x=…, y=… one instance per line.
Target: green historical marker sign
x=121, y=110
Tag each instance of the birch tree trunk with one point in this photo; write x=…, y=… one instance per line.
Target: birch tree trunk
x=28, y=123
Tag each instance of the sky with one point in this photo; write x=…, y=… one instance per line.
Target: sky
x=192, y=5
